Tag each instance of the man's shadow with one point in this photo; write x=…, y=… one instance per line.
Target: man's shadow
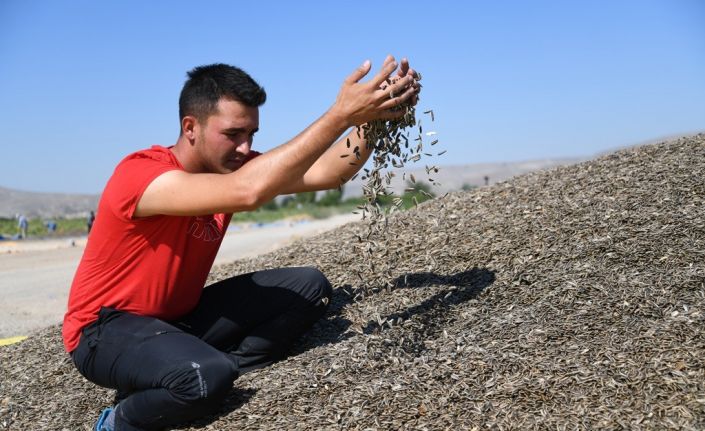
x=334, y=328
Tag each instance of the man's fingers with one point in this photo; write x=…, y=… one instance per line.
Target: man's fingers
x=416, y=85
x=359, y=73
x=398, y=87
x=404, y=68
x=384, y=73
x=397, y=100
x=387, y=60
x=391, y=115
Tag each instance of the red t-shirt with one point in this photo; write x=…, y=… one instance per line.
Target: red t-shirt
x=152, y=266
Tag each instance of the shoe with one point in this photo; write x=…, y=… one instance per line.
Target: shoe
x=102, y=424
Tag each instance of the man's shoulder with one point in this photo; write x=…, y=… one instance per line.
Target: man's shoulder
x=156, y=153
x=132, y=176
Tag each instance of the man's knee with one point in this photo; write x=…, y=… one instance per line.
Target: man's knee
x=201, y=381
x=319, y=289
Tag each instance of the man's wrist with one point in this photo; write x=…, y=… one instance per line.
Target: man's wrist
x=339, y=118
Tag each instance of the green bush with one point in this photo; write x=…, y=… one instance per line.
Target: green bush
x=416, y=193
x=37, y=227
x=270, y=206
x=331, y=198
x=305, y=198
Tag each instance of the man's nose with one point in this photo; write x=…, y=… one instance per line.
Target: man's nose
x=244, y=147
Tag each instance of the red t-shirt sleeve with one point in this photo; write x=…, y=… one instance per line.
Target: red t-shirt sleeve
x=129, y=181
x=135, y=173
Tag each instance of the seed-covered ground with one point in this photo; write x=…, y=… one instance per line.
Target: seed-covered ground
x=567, y=299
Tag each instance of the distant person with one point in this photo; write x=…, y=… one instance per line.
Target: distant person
x=89, y=221
x=22, y=225
x=139, y=319
x=51, y=226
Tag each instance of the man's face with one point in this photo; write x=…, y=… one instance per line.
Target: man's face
x=225, y=140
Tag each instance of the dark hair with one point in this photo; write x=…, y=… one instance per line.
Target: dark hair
x=206, y=85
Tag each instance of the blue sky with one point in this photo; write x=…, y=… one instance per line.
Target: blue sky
x=84, y=83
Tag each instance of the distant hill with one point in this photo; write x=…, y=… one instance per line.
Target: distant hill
x=454, y=177
x=34, y=204
x=451, y=178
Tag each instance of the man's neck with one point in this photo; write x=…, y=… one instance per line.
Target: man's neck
x=183, y=151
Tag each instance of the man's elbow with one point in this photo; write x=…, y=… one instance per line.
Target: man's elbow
x=323, y=182
x=244, y=201
x=256, y=198
x=334, y=183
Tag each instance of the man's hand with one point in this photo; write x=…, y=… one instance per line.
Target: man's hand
x=334, y=166
x=403, y=71
x=358, y=103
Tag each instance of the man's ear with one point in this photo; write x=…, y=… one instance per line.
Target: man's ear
x=188, y=127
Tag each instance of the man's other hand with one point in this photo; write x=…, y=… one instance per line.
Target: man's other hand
x=360, y=102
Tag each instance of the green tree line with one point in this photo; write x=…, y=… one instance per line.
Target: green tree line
x=302, y=204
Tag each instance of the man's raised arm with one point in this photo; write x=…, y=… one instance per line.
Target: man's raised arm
x=260, y=180
x=340, y=162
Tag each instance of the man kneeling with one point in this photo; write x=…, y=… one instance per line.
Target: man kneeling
x=139, y=319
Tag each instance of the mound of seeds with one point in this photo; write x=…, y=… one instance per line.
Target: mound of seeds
x=567, y=299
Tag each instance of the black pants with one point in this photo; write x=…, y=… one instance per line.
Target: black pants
x=170, y=372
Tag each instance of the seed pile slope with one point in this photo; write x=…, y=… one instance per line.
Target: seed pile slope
x=571, y=298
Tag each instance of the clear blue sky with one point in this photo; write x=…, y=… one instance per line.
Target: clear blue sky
x=83, y=83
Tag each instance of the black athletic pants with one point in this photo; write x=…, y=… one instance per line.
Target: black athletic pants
x=171, y=372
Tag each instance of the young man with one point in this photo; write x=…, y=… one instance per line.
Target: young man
x=139, y=319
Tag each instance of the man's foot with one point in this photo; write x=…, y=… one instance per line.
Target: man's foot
x=106, y=420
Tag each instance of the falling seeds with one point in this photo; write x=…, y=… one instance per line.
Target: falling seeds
x=388, y=142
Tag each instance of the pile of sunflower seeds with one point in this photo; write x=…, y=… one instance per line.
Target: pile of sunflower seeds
x=572, y=298
x=393, y=148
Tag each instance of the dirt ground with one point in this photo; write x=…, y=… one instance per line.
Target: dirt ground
x=35, y=276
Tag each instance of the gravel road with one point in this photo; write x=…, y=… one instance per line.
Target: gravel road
x=35, y=276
